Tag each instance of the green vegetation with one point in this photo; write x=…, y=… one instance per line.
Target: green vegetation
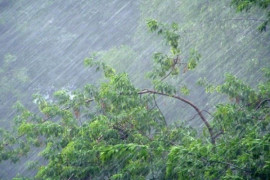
x=246, y=5
x=117, y=131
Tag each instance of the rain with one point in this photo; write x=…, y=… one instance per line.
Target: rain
x=43, y=44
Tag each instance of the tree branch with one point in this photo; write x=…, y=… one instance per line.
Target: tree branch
x=89, y=100
x=209, y=128
x=248, y=19
x=261, y=103
x=146, y=91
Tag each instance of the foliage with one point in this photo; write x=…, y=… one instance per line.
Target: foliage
x=227, y=41
x=246, y=5
x=117, y=131
x=242, y=139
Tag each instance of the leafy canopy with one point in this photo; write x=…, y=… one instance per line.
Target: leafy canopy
x=117, y=131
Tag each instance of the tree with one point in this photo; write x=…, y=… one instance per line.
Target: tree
x=246, y=5
x=117, y=131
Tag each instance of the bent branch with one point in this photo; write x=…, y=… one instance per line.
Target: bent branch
x=209, y=128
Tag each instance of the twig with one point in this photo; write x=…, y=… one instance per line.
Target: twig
x=193, y=117
x=160, y=111
x=166, y=75
x=218, y=134
x=207, y=112
x=242, y=19
x=175, y=62
x=89, y=100
x=70, y=176
x=261, y=103
x=197, y=114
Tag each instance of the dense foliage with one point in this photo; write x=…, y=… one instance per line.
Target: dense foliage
x=117, y=131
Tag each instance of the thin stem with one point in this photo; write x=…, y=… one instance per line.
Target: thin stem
x=207, y=112
x=248, y=19
x=166, y=76
x=71, y=176
x=218, y=134
x=160, y=111
x=261, y=103
x=193, y=117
